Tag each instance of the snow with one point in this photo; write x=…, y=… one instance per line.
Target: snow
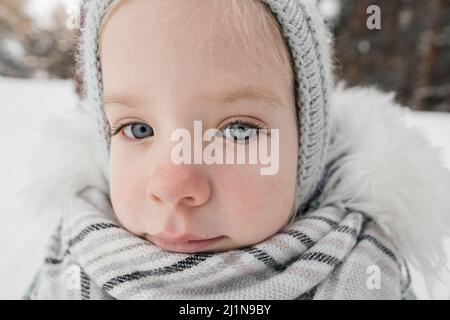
x=23, y=234
x=436, y=127
x=27, y=103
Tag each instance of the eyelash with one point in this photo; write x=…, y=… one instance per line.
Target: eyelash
x=117, y=129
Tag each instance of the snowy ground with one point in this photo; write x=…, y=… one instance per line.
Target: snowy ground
x=24, y=106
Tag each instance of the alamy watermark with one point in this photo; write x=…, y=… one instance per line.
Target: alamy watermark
x=374, y=20
x=254, y=150
x=73, y=277
x=373, y=281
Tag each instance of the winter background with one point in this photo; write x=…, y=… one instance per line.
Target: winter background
x=37, y=82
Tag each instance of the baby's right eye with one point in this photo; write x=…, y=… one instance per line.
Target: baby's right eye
x=137, y=131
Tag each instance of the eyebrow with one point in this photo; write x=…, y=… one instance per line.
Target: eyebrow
x=251, y=93
x=242, y=93
x=125, y=100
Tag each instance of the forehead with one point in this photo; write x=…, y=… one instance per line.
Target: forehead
x=184, y=45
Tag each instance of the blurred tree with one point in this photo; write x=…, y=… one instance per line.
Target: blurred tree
x=13, y=16
x=410, y=54
x=29, y=51
x=14, y=24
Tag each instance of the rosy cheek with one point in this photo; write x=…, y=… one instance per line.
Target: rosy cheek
x=241, y=188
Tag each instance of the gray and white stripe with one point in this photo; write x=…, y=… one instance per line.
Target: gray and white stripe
x=323, y=255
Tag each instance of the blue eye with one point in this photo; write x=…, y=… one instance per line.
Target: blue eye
x=237, y=130
x=137, y=130
x=240, y=131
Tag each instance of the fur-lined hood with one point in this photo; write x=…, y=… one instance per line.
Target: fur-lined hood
x=390, y=171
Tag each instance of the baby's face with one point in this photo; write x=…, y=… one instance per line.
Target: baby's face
x=166, y=64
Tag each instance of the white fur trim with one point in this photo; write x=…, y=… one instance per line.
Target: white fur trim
x=393, y=173
x=68, y=160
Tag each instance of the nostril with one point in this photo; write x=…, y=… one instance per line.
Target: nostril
x=190, y=200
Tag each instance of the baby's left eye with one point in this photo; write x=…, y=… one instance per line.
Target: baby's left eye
x=240, y=131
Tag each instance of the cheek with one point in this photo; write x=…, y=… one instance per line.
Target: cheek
x=257, y=206
x=260, y=205
x=125, y=192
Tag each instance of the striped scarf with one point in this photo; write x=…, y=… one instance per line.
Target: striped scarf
x=332, y=252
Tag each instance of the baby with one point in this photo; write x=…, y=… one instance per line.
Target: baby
x=167, y=64
x=333, y=221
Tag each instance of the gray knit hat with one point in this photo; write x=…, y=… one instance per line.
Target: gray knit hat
x=308, y=39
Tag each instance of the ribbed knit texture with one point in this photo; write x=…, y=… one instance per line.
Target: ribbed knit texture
x=308, y=40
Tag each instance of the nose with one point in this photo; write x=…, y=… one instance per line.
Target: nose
x=179, y=184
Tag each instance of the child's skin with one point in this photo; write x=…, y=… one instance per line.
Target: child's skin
x=165, y=64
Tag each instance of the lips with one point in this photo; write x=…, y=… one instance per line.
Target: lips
x=185, y=243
